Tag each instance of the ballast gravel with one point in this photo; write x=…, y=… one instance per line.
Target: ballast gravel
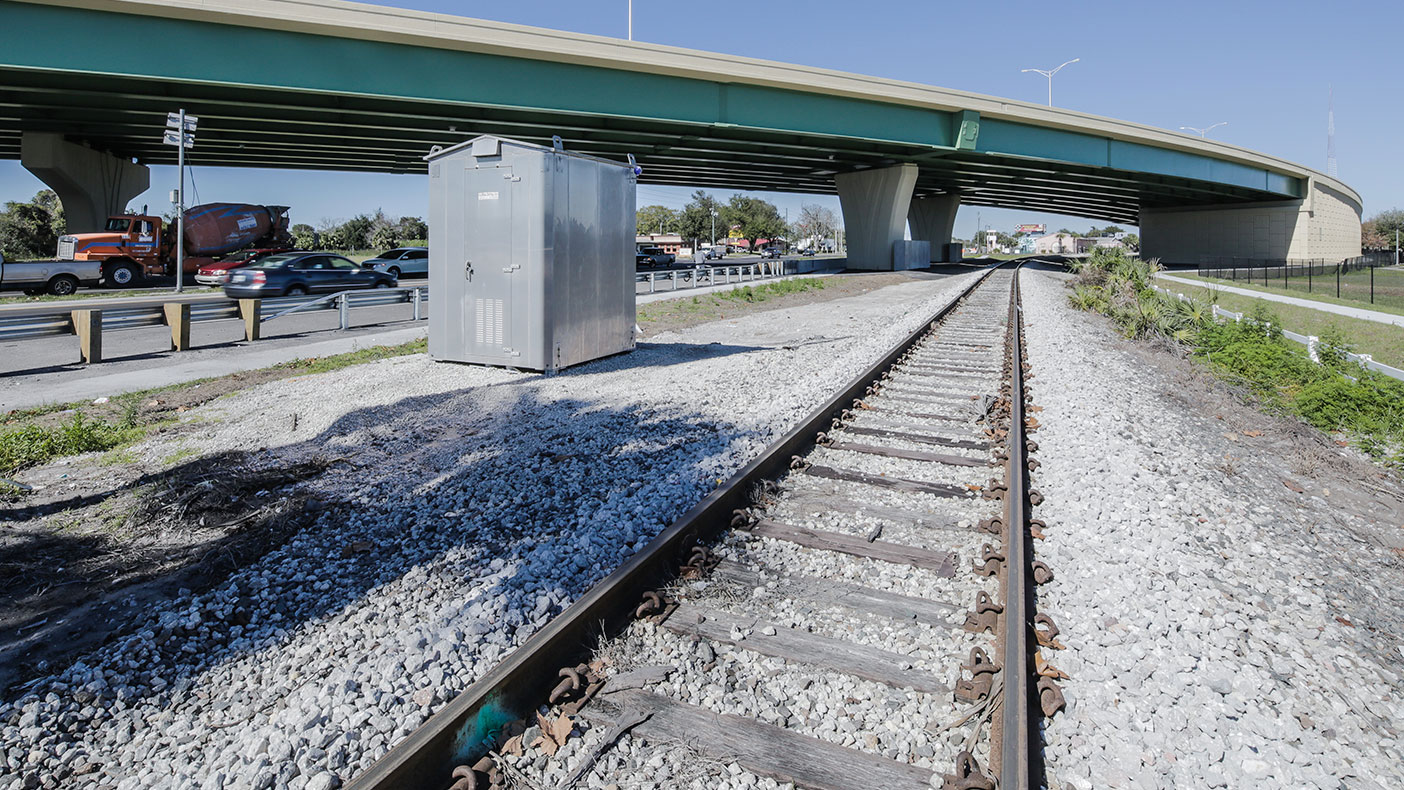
x=1232, y=615
x=467, y=506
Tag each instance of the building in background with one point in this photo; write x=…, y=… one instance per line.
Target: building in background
x=669, y=242
x=1055, y=244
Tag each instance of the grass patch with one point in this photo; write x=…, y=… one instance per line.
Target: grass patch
x=1383, y=280
x=178, y=456
x=119, y=457
x=32, y=437
x=721, y=303
x=1384, y=342
x=764, y=291
x=32, y=444
x=337, y=362
x=1337, y=395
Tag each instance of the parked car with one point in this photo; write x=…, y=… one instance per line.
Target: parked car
x=401, y=261
x=654, y=256
x=216, y=273
x=302, y=273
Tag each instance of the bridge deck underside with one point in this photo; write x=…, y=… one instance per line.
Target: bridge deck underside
x=244, y=126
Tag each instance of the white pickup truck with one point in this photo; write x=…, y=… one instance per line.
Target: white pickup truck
x=60, y=278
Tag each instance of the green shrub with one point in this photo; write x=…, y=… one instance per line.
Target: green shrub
x=1336, y=395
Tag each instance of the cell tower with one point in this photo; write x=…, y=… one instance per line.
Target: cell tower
x=1330, y=132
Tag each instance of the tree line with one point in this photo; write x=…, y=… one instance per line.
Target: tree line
x=742, y=217
x=362, y=232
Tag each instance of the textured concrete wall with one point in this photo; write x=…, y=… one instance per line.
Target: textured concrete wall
x=932, y=219
x=1325, y=225
x=874, y=204
x=91, y=184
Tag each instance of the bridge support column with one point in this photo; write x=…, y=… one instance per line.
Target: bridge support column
x=91, y=184
x=874, y=204
x=932, y=219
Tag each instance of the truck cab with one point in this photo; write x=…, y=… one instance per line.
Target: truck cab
x=128, y=247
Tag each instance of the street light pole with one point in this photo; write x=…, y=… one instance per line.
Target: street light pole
x=1049, y=75
x=631, y=20
x=1204, y=132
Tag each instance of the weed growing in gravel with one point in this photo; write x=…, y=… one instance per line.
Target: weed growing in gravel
x=1335, y=396
x=33, y=444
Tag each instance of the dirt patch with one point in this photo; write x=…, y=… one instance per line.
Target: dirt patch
x=666, y=316
x=74, y=564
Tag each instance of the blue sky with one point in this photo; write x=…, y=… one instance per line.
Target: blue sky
x=1263, y=67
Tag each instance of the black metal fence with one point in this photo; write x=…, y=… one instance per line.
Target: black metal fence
x=1353, y=279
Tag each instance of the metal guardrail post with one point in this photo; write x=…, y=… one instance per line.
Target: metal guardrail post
x=251, y=310
x=418, y=298
x=178, y=319
x=343, y=306
x=651, y=286
x=674, y=275
x=87, y=325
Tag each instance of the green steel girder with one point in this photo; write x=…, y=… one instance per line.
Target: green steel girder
x=274, y=98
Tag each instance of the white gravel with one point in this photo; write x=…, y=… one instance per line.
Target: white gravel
x=486, y=501
x=1223, y=630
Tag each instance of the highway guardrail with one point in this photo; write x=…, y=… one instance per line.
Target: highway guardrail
x=90, y=324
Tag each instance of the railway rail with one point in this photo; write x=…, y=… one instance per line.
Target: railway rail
x=855, y=608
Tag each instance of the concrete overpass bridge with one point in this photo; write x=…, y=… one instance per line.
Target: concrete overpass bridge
x=85, y=86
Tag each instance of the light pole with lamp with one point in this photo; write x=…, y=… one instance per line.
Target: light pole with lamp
x=1049, y=75
x=1204, y=132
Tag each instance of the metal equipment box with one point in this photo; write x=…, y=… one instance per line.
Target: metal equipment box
x=531, y=255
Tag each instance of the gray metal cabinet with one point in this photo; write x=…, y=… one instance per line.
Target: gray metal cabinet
x=531, y=255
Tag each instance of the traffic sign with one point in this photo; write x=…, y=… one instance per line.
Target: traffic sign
x=172, y=137
x=173, y=121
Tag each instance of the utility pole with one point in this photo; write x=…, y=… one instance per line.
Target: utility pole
x=631, y=20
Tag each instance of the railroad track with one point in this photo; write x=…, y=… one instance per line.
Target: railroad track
x=853, y=609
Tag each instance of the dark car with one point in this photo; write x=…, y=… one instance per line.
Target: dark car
x=771, y=252
x=401, y=261
x=216, y=273
x=302, y=273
